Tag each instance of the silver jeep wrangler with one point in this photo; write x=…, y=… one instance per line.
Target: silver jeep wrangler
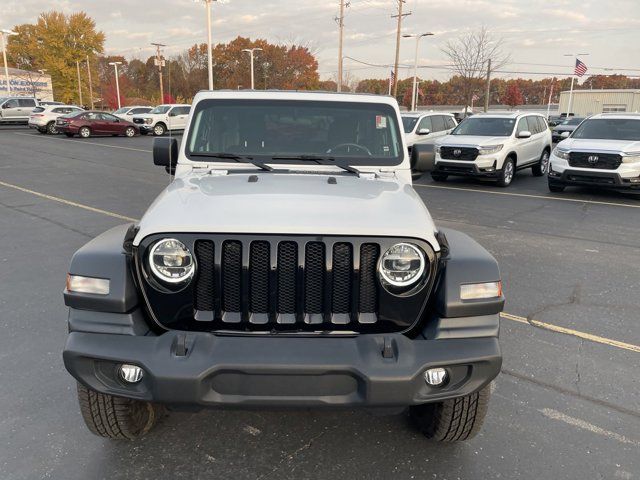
x=289, y=263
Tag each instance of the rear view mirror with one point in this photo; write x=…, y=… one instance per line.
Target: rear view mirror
x=165, y=153
x=424, y=131
x=524, y=134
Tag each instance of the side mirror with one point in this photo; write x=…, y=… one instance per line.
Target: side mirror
x=172, y=113
x=565, y=134
x=424, y=131
x=524, y=134
x=5, y=105
x=165, y=153
x=422, y=157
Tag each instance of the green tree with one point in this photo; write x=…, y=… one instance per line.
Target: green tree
x=55, y=42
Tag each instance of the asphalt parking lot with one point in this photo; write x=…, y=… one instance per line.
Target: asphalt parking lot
x=567, y=404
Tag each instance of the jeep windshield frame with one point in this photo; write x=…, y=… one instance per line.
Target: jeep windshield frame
x=296, y=131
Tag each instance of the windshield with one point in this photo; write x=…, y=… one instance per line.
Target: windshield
x=360, y=133
x=161, y=109
x=572, y=121
x=409, y=123
x=486, y=127
x=121, y=111
x=609, y=129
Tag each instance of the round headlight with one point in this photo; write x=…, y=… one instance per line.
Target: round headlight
x=171, y=261
x=402, y=265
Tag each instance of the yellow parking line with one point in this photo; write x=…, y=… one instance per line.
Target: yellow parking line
x=84, y=142
x=68, y=202
x=570, y=331
x=528, y=195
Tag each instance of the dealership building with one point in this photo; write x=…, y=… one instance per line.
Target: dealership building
x=24, y=83
x=590, y=102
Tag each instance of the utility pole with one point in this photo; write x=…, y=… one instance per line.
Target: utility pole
x=90, y=82
x=79, y=84
x=340, y=20
x=488, y=87
x=3, y=35
x=159, y=62
x=399, y=16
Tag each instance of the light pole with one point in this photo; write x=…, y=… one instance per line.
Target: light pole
x=115, y=65
x=414, y=96
x=90, y=83
x=3, y=35
x=573, y=77
x=209, y=58
x=250, y=51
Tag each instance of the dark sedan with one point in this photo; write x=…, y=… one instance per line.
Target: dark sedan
x=86, y=124
x=568, y=125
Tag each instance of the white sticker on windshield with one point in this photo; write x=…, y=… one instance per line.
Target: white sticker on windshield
x=381, y=122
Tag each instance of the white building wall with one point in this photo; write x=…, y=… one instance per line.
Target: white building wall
x=590, y=102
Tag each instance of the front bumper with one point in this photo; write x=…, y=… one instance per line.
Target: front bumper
x=466, y=169
x=144, y=127
x=584, y=177
x=253, y=370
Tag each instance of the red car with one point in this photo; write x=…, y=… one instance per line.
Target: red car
x=86, y=124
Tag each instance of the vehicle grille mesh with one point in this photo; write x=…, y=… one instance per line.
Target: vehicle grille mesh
x=604, y=161
x=458, y=153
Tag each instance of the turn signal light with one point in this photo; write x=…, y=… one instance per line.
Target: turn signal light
x=477, y=291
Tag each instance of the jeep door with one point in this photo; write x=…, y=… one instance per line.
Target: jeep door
x=178, y=118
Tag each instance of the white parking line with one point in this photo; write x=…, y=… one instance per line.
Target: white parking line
x=528, y=195
x=576, y=422
x=84, y=142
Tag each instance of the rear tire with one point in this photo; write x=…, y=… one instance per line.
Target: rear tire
x=556, y=188
x=84, y=132
x=439, y=177
x=453, y=420
x=115, y=417
x=542, y=167
x=507, y=173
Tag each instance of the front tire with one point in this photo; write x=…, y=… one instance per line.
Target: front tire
x=159, y=129
x=130, y=132
x=507, y=173
x=115, y=417
x=84, y=132
x=542, y=167
x=453, y=420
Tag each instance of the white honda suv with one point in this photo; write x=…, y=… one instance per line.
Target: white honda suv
x=604, y=151
x=494, y=145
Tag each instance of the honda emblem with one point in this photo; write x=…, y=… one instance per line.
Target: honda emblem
x=593, y=159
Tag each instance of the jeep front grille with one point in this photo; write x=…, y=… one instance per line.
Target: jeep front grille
x=290, y=283
x=321, y=289
x=604, y=161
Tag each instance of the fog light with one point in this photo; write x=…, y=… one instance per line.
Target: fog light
x=435, y=376
x=634, y=180
x=130, y=373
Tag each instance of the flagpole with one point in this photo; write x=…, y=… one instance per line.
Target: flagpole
x=549, y=103
x=573, y=77
x=390, y=77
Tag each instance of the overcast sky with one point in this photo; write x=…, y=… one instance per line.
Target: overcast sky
x=536, y=32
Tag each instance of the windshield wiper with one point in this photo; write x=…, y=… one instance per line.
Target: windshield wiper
x=235, y=158
x=319, y=161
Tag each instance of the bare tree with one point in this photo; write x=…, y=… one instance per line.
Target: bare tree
x=470, y=55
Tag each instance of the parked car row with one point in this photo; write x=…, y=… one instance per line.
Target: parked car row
x=602, y=150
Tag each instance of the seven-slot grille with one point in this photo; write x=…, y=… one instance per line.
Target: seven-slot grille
x=286, y=282
x=458, y=153
x=138, y=120
x=605, y=161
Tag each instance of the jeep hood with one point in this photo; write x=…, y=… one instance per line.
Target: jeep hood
x=590, y=144
x=289, y=204
x=472, y=140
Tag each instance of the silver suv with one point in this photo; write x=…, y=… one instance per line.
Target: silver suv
x=494, y=145
x=16, y=109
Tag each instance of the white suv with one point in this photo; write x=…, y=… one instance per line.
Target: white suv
x=163, y=118
x=494, y=145
x=127, y=113
x=603, y=151
x=43, y=118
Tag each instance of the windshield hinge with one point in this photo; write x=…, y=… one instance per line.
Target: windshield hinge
x=367, y=175
x=215, y=172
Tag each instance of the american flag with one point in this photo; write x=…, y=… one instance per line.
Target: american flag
x=581, y=68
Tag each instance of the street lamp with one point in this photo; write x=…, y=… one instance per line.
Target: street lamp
x=209, y=59
x=3, y=34
x=115, y=65
x=250, y=51
x=414, y=96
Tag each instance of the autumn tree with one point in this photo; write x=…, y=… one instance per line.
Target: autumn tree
x=513, y=96
x=55, y=42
